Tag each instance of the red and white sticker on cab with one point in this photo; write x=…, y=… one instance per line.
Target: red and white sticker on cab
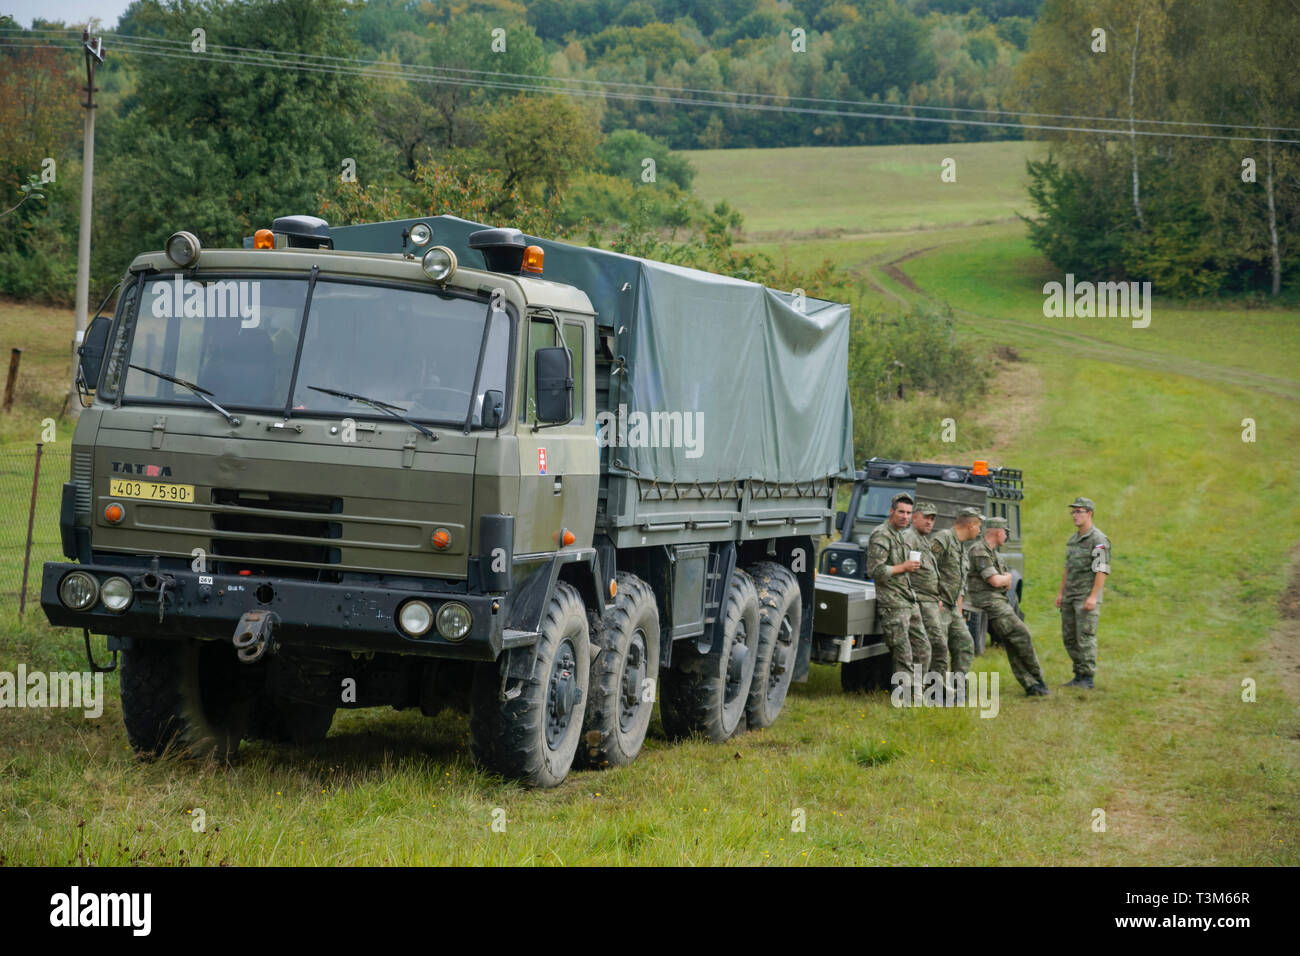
x=541, y=461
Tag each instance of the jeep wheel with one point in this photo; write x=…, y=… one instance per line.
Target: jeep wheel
x=779, y=619
x=868, y=674
x=707, y=693
x=183, y=697
x=618, y=712
x=534, y=736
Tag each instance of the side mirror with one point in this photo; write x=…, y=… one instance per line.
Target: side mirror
x=494, y=408
x=840, y=518
x=93, y=345
x=553, y=379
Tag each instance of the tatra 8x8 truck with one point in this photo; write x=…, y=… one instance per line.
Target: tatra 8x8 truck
x=428, y=463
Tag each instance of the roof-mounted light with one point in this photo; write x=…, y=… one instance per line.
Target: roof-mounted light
x=420, y=234
x=183, y=249
x=980, y=468
x=439, y=263
x=533, y=257
x=264, y=239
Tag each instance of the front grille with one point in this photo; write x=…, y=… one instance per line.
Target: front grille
x=275, y=531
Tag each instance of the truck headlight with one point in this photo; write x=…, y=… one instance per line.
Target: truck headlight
x=439, y=263
x=78, y=590
x=849, y=566
x=116, y=594
x=454, y=621
x=415, y=618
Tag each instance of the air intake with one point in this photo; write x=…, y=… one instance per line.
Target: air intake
x=304, y=232
x=503, y=249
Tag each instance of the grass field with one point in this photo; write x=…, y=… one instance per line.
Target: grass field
x=862, y=189
x=1205, y=530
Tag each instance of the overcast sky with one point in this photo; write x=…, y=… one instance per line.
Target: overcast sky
x=69, y=11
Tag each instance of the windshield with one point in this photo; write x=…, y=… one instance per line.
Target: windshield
x=875, y=503
x=240, y=340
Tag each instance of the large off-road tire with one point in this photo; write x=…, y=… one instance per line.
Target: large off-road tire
x=534, y=737
x=707, y=693
x=868, y=674
x=285, y=721
x=624, y=675
x=780, y=615
x=183, y=697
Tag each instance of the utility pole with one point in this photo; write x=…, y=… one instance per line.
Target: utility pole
x=94, y=54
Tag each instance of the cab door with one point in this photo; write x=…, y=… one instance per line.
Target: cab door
x=558, y=464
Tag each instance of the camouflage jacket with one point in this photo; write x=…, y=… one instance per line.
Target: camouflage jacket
x=886, y=547
x=950, y=556
x=984, y=561
x=1085, y=555
x=925, y=582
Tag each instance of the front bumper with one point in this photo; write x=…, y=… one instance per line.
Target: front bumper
x=310, y=614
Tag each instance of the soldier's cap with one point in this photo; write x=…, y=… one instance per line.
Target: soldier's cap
x=970, y=513
x=990, y=523
x=1082, y=503
x=925, y=508
x=901, y=496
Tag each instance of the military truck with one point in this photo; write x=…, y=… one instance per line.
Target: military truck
x=844, y=625
x=430, y=463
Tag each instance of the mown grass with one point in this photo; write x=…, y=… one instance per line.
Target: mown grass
x=858, y=189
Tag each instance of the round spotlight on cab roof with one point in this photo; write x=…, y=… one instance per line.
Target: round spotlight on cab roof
x=439, y=263
x=183, y=248
x=454, y=621
x=421, y=234
x=78, y=590
x=415, y=618
x=116, y=594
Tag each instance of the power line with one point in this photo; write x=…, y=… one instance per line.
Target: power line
x=177, y=44
x=384, y=70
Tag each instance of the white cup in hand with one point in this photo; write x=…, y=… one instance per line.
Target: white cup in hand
x=914, y=556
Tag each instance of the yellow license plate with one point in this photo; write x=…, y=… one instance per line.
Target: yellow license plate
x=152, y=490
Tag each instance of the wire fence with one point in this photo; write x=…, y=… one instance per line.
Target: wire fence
x=18, y=474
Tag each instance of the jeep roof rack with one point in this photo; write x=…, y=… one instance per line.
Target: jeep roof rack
x=1006, y=483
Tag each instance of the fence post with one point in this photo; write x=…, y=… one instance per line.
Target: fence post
x=14, y=356
x=31, y=520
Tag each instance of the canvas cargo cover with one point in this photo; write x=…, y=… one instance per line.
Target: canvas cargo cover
x=769, y=381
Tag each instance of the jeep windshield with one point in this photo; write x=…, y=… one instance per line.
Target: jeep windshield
x=247, y=342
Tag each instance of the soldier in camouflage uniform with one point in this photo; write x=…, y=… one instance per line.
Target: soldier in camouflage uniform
x=890, y=569
x=987, y=584
x=948, y=548
x=925, y=582
x=1087, y=563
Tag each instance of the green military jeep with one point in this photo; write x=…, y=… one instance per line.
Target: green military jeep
x=844, y=629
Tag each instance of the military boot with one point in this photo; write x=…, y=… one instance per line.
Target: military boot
x=1077, y=682
x=1037, y=690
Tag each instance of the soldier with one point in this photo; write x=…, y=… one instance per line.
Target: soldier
x=925, y=582
x=1087, y=563
x=950, y=554
x=987, y=583
x=890, y=568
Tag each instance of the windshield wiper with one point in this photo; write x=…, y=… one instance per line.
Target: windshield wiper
x=198, y=390
x=393, y=411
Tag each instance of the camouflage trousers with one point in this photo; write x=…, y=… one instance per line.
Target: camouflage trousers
x=1079, y=634
x=961, y=648
x=904, y=635
x=932, y=618
x=1011, y=631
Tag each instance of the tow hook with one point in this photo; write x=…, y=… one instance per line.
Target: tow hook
x=153, y=580
x=253, y=635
